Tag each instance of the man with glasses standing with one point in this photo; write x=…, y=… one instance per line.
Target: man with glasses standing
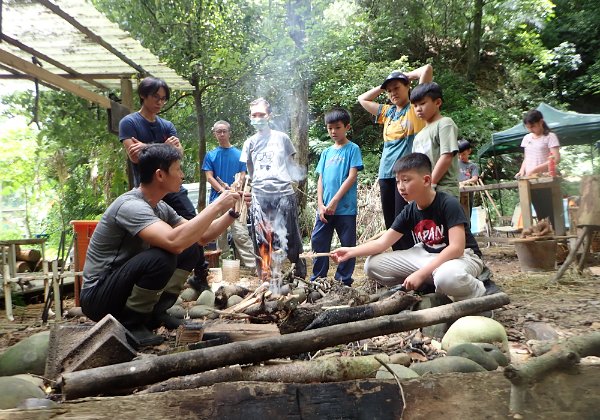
x=220, y=166
x=136, y=131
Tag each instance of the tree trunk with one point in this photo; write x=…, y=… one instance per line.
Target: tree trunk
x=201, y=204
x=475, y=44
x=298, y=11
x=150, y=370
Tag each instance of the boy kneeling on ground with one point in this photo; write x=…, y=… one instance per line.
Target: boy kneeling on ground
x=446, y=254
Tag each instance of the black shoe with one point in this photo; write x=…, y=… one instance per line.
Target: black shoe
x=135, y=322
x=199, y=284
x=491, y=287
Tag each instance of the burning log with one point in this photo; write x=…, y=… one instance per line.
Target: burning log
x=150, y=370
x=223, y=294
x=392, y=305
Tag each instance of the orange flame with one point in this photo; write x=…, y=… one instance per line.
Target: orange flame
x=266, y=252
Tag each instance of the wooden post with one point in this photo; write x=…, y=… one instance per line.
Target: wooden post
x=525, y=199
x=151, y=370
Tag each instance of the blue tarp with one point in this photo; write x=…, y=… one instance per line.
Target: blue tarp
x=570, y=127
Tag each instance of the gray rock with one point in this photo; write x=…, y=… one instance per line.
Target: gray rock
x=206, y=298
x=13, y=391
x=301, y=292
x=189, y=295
x=27, y=356
x=495, y=352
x=200, y=311
x=433, y=300
x=474, y=353
x=314, y=296
x=400, y=359
x=36, y=380
x=401, y=371
x=475, y=329
x=177, y=311
x=446, y=365
x=234, y=300
x=285, y=290
x=35, y=403
x=539, y=331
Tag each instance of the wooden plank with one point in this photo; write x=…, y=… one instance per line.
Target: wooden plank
x=242, y=332
x=486, y=187
x=42, y=74
x=525, y=199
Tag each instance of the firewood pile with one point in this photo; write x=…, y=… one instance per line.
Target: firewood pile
x=28, y=260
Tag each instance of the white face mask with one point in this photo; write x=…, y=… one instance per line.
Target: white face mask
x=259, y=123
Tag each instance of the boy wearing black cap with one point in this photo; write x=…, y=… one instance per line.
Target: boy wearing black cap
x=438, y=140
x=400, y=125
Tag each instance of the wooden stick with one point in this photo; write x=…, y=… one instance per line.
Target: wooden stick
x=310, y=255
x=491, y=199
x=151, y=370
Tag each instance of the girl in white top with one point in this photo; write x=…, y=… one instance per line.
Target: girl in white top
x=540, y=145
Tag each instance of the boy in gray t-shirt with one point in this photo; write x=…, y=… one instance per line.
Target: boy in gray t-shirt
x=142, y=252
x=438, y=140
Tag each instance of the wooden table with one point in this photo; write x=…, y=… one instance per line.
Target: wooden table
x=525, y=185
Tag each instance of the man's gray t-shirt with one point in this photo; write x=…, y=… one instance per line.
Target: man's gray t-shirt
x=115, y=239
x=269, y=161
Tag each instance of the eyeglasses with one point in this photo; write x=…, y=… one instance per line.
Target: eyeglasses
x=221, y=131
x=159, y=98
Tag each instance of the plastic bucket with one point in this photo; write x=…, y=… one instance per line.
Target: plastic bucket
x=536, y=255
x=83, y=230
x=231, y=270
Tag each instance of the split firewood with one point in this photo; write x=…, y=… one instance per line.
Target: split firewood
x=541, y=229
x=563, y=356
x=392, y=305
x=321, y=370
x=252, y=298
x=146, y=371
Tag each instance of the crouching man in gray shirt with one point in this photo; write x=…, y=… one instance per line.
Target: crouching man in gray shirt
x=142, y=252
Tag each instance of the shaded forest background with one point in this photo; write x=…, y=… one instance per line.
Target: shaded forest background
x=494, y=60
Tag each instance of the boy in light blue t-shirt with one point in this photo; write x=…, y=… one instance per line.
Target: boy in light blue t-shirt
x=336, y=189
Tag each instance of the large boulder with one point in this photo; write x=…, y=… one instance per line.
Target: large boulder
x=13, y=391
x=475, y=329
x=446, y=365
x=474, y=353
x=27, y=356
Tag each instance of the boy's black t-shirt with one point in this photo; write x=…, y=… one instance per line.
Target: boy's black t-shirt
x=431, y=225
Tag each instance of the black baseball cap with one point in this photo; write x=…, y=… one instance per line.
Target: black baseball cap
x=395, y=75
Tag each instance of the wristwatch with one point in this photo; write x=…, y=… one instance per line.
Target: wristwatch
x=234, y=214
